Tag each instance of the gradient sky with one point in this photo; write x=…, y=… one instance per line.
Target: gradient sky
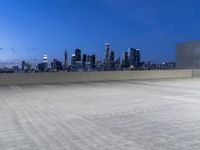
x=30, y=28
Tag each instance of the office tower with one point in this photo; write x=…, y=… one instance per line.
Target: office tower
x=111, y=56
x=138, y=58
x=134, y=58
x=84, y=59
x=78, y=54
x=117, y=64
x=16, y=68
x=26, y=67
x=23, y=65
x=45, y=61
x=45, y=58
x=111, y=60
x=107, y=50
x=90, y=62
x=41, y=67
x=93, y=61
x=73, y=60
x=65, y=60
x=88, y=58
x=56, y=65
x=125, y=60
x=99, y=65
x=131, y=56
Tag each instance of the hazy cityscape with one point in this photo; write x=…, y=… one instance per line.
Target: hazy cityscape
x=99, y=75
x=79, y=62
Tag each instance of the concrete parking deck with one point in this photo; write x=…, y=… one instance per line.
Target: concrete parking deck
x=123, y=115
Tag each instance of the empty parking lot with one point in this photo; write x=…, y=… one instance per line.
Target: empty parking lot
x=129, y=115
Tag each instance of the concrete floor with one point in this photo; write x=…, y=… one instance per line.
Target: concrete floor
x=125, y=115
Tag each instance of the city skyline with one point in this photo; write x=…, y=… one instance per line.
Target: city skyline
x=80, y=61
x=29, y=29
x=67, y=53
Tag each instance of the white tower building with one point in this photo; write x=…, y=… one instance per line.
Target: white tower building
x=45, y=61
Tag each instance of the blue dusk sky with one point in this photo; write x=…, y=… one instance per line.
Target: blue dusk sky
x=31, y=28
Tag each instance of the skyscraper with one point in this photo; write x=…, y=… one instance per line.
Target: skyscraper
x=73, y=60
x=65, y=60
x=84, y=59
x=111, y=55
x=56, y=65
x=45, y=61
x=23, y=65
x=118, y=64
x=107, y=50
x=78, y=54
x=93, y=61
x=90, y=62
x=111, y=60
x=134, y=57
x=138, y=58
x=125, y=60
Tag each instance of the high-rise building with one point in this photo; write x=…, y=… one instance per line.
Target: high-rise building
x=78, y=54
x=111, y=55
x=138, y=58
x=88, y=58
x=41, y=67
x=107, y=50
x=26, y=67
x=93, y=61
x=125, y=60
x=23, y=65
x=16, y=68
x=84, y=59
x=134, y=57
x=45, y=58
x=117, y=64
x=56, y=65
x=73, y=60
x=111, y=60
x=65, y=60
x=45, y=61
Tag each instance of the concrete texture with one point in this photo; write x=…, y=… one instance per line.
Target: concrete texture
x=123, y=115
x=188, y=55
x=196, y=73
x=64, y=77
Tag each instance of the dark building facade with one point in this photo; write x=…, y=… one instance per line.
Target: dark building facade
x=78, y=54
x=23, y=65
x=41, y=67
x=93, y=61
x=56, y=65
x=65, y=60
x=73, y=60
x=125, y=60
x=111, y=62
x=84, y=59
x=107, y=50
x=134, y=57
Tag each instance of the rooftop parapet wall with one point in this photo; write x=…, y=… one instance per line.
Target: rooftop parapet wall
x=65, y=77
x=196, y=73
x=188, y=55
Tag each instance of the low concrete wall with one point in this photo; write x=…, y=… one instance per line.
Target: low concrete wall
x=196, y=73
x=64, y=77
